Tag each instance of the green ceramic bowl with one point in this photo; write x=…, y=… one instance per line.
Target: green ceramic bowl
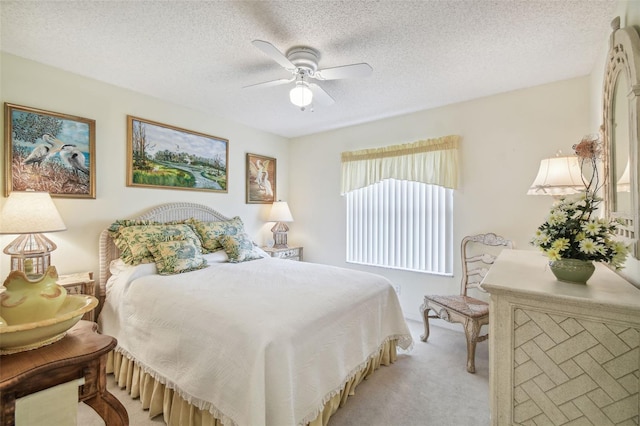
x=32, y=335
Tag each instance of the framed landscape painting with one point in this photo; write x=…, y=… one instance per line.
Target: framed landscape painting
x=261, y=179
x=49, y=152
x=163, y=156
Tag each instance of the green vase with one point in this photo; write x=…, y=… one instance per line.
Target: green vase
x=27, y=300
x=572, y=270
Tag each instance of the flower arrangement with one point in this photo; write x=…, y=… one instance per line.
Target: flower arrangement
x=572, y=229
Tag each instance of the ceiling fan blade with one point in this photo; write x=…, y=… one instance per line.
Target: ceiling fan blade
x=270, y=83
x=320, y=95
x=271, y=51
x=345, y=71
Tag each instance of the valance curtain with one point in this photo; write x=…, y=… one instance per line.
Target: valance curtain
x=432, y=161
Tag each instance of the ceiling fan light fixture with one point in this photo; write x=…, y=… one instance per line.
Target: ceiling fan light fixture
x=301, y=95
x=302, y=62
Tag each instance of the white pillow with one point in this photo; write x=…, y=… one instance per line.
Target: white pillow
x=122, y=274
x=219, y=256
x=117, y=265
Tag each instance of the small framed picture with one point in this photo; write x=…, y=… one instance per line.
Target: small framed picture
x=261, y=179
x=163, y=156
x=49, y=152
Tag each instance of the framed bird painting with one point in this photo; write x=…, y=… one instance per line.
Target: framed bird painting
x=49, y=152
x=261, y=179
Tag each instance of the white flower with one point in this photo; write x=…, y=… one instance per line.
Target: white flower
x=553, y=254
x=588, y=246
x=545, y=239
x=591, y=227
x=580, y=203
x=620, y=248
x=557, y=218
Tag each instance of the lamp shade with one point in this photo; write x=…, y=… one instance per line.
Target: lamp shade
x=280, y=212
x=30, y=213
x=301, y=95
x=558, y=176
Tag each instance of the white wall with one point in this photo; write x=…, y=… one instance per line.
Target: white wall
x=504, y=137
x=34, y=85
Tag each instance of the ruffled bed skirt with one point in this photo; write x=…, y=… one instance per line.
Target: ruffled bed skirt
x=159, y=398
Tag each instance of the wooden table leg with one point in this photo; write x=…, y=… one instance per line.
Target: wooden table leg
x=8, y=412
x=104, y=403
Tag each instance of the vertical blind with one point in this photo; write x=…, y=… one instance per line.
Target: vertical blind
x=401, y=224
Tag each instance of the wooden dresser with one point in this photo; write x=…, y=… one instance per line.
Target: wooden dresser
x=561, y=353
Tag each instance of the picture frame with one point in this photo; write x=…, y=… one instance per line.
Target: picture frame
x=261, y=179
x=169, y=157
x=50, y=152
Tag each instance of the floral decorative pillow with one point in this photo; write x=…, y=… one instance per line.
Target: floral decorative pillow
x=210, y=231
x=239, y=248
x=133, y=240
x=121, y=242
x=175, y=257
x=116, y=226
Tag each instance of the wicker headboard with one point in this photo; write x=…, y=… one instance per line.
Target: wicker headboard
x=163, y=213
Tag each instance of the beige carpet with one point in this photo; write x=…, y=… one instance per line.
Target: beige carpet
x=428, y=386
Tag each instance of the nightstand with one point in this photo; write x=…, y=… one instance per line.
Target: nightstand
x=81, y=354
x=291, y=253
x=80, y=283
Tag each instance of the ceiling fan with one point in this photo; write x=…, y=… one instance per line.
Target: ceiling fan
x=302, y=63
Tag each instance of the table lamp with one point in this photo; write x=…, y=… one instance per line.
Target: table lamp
x=29, y=214
x=280, y=213
x=558, y=176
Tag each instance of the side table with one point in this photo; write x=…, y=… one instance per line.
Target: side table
x=81, y=353
x=80, y=283
x=291, y=253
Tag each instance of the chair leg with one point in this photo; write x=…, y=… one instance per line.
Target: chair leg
x=471, y=331
x=425, y=318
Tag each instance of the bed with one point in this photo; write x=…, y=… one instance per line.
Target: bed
x=265, y=342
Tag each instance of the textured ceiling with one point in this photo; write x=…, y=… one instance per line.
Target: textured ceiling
x=424, y=54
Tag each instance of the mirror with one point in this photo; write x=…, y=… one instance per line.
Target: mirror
x=620, y=133
x=620, y=147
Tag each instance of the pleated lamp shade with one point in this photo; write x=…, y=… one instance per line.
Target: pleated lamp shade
x=558, y=176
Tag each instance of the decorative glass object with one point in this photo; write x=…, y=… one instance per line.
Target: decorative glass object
x=31, y=298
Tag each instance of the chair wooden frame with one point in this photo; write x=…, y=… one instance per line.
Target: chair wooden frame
x=472, y=313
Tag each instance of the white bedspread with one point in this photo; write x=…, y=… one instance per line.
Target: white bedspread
x=260, y=343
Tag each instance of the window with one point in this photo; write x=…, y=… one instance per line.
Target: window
x=400, y=204
x=401, y=224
